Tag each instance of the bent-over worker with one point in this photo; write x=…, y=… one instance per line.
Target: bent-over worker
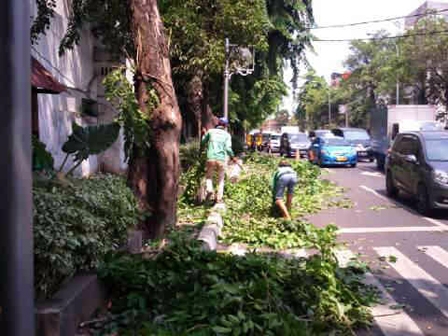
x=219, y=148
x=285, y=178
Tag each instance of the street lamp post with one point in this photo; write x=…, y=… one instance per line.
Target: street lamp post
x=397, y=98
x=241, y=70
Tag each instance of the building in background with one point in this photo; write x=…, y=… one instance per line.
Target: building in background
x=80, y=72
x=416, y=15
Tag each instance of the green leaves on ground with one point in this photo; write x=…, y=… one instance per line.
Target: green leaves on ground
x=184, y=290
x=249, y=217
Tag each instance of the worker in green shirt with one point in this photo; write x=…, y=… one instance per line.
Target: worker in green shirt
x=285, y=178
x=219, y=148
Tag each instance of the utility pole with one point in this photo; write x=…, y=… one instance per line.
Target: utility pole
x=397, y=98
x=229, y=72
x=226, y=82
x=329, y=107
x=16, y=234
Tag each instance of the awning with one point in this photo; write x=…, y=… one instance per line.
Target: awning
x=42, y=80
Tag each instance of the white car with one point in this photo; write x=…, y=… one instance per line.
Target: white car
x=274, y=143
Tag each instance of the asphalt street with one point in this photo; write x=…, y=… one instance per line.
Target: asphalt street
x=407, y=252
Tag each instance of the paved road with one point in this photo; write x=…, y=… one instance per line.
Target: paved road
x=408, y=253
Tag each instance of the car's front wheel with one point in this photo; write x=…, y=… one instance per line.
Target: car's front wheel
x=391, y=189
x=423, y=204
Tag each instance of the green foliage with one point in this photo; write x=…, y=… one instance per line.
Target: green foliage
x=90, y=140
x=193, y=161
x=45, y=12
x=42, y=159
x=423, y=64
x=120, y=93
x=249, y=218
x=75, y=223
x=237, y=145
x=185, y=290
x=109, y=21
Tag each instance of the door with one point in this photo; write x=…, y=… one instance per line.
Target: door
x=412, y=169
x=396, y=161
x=406, y=170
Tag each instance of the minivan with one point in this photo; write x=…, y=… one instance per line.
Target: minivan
x=417, y=164
x=290, y=143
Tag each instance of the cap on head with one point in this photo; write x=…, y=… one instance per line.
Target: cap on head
x=223, y=121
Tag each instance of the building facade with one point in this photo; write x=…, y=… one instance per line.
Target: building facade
x=81, y=71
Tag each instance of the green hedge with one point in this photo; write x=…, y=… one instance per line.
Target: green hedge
x=75, y=223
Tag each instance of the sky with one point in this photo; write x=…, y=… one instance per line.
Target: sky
x=328, y=57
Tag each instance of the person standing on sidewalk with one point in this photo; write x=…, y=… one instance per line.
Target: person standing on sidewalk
x=285, y=178
x=219, y=148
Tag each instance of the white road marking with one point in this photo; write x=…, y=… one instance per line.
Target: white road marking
x=373, y=174
x=437, y=253
x=428, y=286
x=374, y=192
x=430, y=220
x=392, y=229
x=392, y=322
x=436, y=222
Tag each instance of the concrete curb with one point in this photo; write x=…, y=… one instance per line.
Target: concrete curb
x=211, y=231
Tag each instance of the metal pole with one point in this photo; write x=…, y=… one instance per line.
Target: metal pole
x=226, y=82
x=346, y=117
x=16, y=236
x=398, y=83
x=329, y=108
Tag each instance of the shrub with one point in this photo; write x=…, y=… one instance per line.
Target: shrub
x=237, y=145
x=189, y=154
x=184, y=290
x=75, y=223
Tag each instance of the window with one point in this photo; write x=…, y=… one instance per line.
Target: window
x=437, y=149
x=407, y=145
x=356, y=135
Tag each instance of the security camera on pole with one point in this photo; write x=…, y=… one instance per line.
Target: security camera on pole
x=239, y=60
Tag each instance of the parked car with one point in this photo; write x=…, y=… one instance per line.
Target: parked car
x=290, y=143
x=417, y=164
x=327, y=150
x=359, y=138
x=274, y=143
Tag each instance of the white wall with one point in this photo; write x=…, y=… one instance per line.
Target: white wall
x=76, y=70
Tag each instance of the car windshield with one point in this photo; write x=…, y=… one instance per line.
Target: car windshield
x=275, y=137
x=335, y=142
x=298, y=138
x=356, y=135
x=437, y=149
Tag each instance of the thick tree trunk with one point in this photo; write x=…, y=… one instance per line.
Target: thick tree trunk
x=154, y=176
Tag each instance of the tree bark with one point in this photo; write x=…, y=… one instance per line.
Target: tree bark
x=154, y=175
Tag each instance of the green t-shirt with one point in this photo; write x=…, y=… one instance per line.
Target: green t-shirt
x=219, y=144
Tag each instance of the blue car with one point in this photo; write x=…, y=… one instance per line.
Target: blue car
x=333, y=151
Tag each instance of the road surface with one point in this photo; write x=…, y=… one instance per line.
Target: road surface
x=408, y=253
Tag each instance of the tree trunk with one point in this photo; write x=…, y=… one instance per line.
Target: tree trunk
x=154, y=176
x=208, y=119
x=195, y=98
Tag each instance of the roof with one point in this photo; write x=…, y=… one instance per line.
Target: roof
x=429, y=135
x=43, y=80
x=351, y=129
